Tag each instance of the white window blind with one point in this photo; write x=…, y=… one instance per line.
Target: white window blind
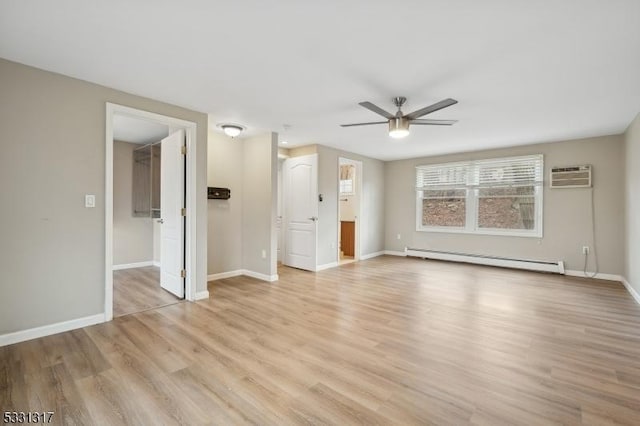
x=514, y=171
x=442, y=176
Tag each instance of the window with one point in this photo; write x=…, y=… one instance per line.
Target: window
x=498, y=196
x=347, y=177
x=346, y=187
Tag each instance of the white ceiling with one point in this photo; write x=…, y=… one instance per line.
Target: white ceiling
x=134, y=130
x=522, y=71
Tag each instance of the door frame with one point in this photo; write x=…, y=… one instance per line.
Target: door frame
x=190, y=129
x=358, y=212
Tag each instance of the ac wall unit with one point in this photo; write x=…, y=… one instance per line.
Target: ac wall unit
x=571, y=177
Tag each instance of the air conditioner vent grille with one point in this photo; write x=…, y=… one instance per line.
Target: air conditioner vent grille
x=571, y=177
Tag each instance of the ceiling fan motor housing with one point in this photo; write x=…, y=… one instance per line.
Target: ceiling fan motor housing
x=398, y=127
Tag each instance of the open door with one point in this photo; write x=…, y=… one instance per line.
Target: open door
x=301, y=211
x=171, y=204
x=349, y=209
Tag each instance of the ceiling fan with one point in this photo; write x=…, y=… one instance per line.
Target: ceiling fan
x=399, y=123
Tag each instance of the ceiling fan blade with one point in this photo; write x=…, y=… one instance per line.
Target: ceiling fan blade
x=377, y=110
x=431, y=108
x=428, y=122
x=363, y=124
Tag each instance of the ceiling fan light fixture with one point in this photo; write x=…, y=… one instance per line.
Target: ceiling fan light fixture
x=231, y=130
x=398, y=127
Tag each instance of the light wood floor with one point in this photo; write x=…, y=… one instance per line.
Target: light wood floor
x=387, y=340
x=138, y=289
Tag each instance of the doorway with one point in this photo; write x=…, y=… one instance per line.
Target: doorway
x=349, y=209
x=137, y=220
x=149, y=189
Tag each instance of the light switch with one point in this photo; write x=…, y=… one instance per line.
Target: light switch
x=89, y=200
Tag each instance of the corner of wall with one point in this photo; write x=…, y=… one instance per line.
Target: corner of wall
x=632, y=206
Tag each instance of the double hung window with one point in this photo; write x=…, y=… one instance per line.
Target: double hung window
x=501, y=196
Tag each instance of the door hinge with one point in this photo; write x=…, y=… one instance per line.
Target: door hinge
x=183, y=273
x=183, y=149
x=183, y=211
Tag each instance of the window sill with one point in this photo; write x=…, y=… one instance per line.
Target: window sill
x=492, y=232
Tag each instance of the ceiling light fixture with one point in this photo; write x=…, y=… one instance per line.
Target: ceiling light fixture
x=398, y=127
x=284, y=142
x=231, y=130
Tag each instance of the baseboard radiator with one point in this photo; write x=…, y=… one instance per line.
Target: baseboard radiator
x=505, y=262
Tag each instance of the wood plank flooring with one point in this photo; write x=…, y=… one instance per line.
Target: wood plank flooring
x=383, y=341
x=138, y=289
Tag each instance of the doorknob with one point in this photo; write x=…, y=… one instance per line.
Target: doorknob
x=313, y=218
x=160, y=221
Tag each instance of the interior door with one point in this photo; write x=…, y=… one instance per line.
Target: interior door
x=172, y=163
x=301, y=211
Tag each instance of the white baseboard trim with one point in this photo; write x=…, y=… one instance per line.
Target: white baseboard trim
x=246, y=272
x=156, y=263
x=631, y=290
x=371, y=255
x=395, y=253
x=47, y=330
x=258, y=275
x=133, y=265
x=599, y=276
x=202, y=295
x=223, y=275
x=326, y=266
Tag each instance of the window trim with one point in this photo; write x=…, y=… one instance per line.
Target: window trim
x=471, y=205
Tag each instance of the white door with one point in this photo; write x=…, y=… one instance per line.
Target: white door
x=301, y=211
x=171, y=204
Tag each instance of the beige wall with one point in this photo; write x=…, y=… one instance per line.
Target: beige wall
x=303, y=150
x=52, y=130
x=132, y=236
x=372, y=220
x=259, y=203
x=225, y=169
x=632, y=203
x=157, y=239
x=241, y=227
x=567, y=224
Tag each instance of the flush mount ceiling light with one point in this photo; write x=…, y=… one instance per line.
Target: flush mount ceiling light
x=231, y=130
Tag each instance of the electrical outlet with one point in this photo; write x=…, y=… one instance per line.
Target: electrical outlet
x=264, y=254
x=398, y=237
x=90, y=201
x=585, y=249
